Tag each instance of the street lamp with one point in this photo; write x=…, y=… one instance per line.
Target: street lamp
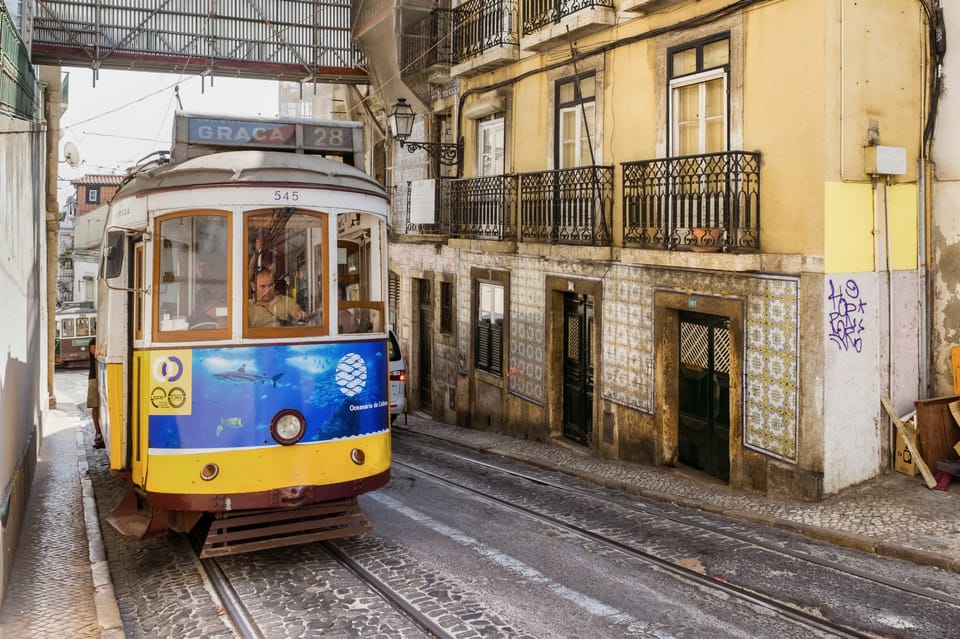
x=401, y=122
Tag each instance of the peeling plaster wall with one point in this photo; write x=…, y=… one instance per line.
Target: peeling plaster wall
x=944, y=267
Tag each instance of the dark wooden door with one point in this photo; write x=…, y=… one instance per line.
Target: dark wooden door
x=578, y=368
x=425, y=347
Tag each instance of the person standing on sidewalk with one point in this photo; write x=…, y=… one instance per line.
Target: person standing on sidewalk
x=93, y=395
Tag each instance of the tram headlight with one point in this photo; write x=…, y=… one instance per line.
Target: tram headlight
x=288, y=427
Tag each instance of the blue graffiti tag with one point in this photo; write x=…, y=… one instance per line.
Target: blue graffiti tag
x=846, y=317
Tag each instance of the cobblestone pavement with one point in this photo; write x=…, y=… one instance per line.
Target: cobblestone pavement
x=60, y=586
x=57, y=583
x=892, y=515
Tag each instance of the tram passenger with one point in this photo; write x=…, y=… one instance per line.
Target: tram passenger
x=269, y=308
x=346, y=320
x=93, y=395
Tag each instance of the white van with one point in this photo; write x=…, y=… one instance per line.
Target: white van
x=398, y=377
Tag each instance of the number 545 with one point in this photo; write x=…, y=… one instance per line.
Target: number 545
x=289, y=196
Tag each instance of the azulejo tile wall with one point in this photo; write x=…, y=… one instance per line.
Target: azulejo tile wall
x=771, y=349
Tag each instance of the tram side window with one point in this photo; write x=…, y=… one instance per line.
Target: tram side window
x=83, y=327
x=68, y=328
x=193, y=266
x=360, y=250
x=286, y=249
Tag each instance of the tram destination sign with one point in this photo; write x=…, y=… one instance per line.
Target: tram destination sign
x=197, y=135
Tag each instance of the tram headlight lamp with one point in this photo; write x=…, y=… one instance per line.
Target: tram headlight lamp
x=357, y=456
x=288, y=427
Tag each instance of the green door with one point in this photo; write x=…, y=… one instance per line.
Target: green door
x=704, y=393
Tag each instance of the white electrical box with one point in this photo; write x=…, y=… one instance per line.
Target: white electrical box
x=885, y=160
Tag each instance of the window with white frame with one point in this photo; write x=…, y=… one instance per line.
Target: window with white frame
x=576, y=121
x=490, y=145
x=93, y=195
x=699, y=97
x=489, y=335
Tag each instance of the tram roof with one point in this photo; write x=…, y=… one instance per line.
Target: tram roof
x=251, y=167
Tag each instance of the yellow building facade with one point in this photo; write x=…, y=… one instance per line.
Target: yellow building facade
x=677, y=233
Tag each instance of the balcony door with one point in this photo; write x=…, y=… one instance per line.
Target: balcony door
x=490, y=145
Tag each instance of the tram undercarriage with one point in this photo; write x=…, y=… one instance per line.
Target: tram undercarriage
x=215, y=534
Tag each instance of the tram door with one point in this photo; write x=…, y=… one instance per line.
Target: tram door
x=425, y=339
x=577, y=368
x=704, y=392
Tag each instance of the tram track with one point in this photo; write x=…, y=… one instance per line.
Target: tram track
x=242, y=621
x=795, y=613
x=390, y=595
x=665, y=514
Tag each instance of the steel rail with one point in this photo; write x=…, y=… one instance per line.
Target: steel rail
x=737, y=592
x=392, y=597
x=658, y=512
x=237, y=613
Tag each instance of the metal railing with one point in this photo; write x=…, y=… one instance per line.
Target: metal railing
x=20, y=94
x=567, y=206
x=428, y=43
x=479, y=25
x=667, y=203
x=539, y=13
x=484, y=208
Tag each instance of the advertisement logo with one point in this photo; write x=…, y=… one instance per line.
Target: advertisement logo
x=351, y=374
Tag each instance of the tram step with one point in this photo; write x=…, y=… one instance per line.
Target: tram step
x=236, y=532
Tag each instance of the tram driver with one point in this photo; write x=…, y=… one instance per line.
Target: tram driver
x=270, y=309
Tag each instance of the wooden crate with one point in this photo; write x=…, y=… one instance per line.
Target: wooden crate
x=937, y=430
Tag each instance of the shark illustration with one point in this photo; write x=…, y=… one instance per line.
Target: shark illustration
x=241, y=375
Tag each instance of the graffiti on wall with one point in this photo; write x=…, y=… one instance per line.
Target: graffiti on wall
x=846, y=315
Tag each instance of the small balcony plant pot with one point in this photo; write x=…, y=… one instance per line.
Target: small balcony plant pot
x=706, y=239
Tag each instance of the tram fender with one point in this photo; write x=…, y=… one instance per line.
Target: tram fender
x=133, y=517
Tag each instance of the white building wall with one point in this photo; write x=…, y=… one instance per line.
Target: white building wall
x=851, y=379
x=23, y=325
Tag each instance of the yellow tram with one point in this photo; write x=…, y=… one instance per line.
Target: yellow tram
x=239, y=403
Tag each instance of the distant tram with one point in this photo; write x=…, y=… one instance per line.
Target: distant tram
x=243, y=335
x=76, y=326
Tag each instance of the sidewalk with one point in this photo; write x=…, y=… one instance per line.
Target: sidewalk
x=60, y=585
x=892, y=515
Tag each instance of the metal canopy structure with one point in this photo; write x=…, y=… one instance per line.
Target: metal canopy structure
x=303, y=40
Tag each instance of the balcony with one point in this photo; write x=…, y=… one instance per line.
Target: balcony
x=568, y=206
x=484, y=208
x=549, y=23
x=668, y=202
x=485, y=36
x=426, y=48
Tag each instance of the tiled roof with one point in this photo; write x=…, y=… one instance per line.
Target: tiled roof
x=98, y=180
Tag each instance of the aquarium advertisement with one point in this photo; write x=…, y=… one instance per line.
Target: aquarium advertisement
x=226, y=397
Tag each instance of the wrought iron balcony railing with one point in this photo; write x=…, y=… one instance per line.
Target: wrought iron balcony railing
x=479, y=25
x=484, y=208
x=539, y=13
x=427, y=44
x=568, y=206
x=441, y=223
x=667, y=201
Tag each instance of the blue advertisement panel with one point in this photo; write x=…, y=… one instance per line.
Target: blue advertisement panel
x=226, y=397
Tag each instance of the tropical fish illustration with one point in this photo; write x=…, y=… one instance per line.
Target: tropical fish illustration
x=241, y=375
x=229, y=422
